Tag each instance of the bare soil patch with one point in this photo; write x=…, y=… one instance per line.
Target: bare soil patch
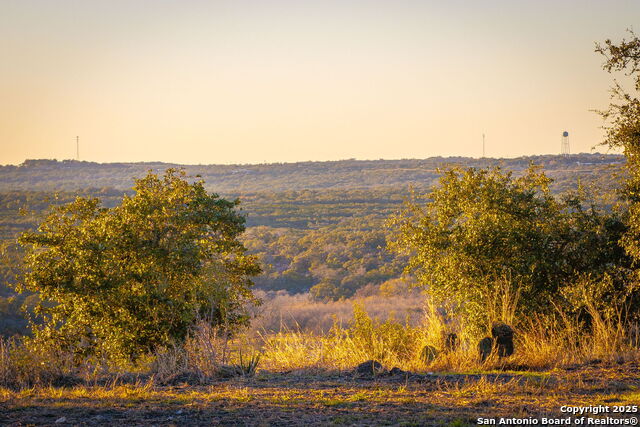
x=329, y=399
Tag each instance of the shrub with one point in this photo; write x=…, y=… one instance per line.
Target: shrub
x=486, y=233
x=123, y=281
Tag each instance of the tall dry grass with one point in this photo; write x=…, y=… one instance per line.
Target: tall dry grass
x=209, y=352
x=542, y=342
x=355, y=336
x=27, y=364
x=7, y=368
x=390, y=342
x=281, y=311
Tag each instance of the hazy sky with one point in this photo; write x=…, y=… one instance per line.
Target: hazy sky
x=244, y=81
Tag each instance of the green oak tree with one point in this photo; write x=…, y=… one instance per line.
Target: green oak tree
x=623, y=125
x=122, y=281
x=485, y=242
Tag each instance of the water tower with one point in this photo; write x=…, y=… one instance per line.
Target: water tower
x=564, y=147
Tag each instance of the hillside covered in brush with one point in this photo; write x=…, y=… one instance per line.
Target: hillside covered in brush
x=315, y=226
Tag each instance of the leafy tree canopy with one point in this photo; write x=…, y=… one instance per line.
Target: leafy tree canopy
x=485, y=236
x=121, y=281
x=623, y=125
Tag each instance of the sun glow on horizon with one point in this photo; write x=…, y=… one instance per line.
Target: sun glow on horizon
x=285, y=81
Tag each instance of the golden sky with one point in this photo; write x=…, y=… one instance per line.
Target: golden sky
x=243, y=81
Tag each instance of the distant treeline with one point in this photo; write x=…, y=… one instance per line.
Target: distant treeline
x=50, y=175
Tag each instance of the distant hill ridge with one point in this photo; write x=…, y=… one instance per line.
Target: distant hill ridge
x=310, y=223
x=47, y=175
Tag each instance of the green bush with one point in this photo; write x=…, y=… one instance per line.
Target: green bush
x=122, y=281
x=485, y=237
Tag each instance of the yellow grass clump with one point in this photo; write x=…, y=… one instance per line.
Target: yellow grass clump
x=542, y=342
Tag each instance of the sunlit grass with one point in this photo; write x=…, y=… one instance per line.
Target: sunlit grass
x=542, y=347
x=539, y=347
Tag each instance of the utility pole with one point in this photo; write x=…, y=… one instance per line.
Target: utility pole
x=483, y=145
x=77, y=148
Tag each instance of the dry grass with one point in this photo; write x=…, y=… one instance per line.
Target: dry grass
x=390, y=342
x=208, y=353
x=283, y=312
x=7, y=368
x=542, y=343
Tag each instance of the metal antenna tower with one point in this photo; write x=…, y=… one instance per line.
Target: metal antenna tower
x=78, y=148
x=564, y=144
x=483, y=145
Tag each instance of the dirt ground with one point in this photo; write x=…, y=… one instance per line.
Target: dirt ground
x=271, y=399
